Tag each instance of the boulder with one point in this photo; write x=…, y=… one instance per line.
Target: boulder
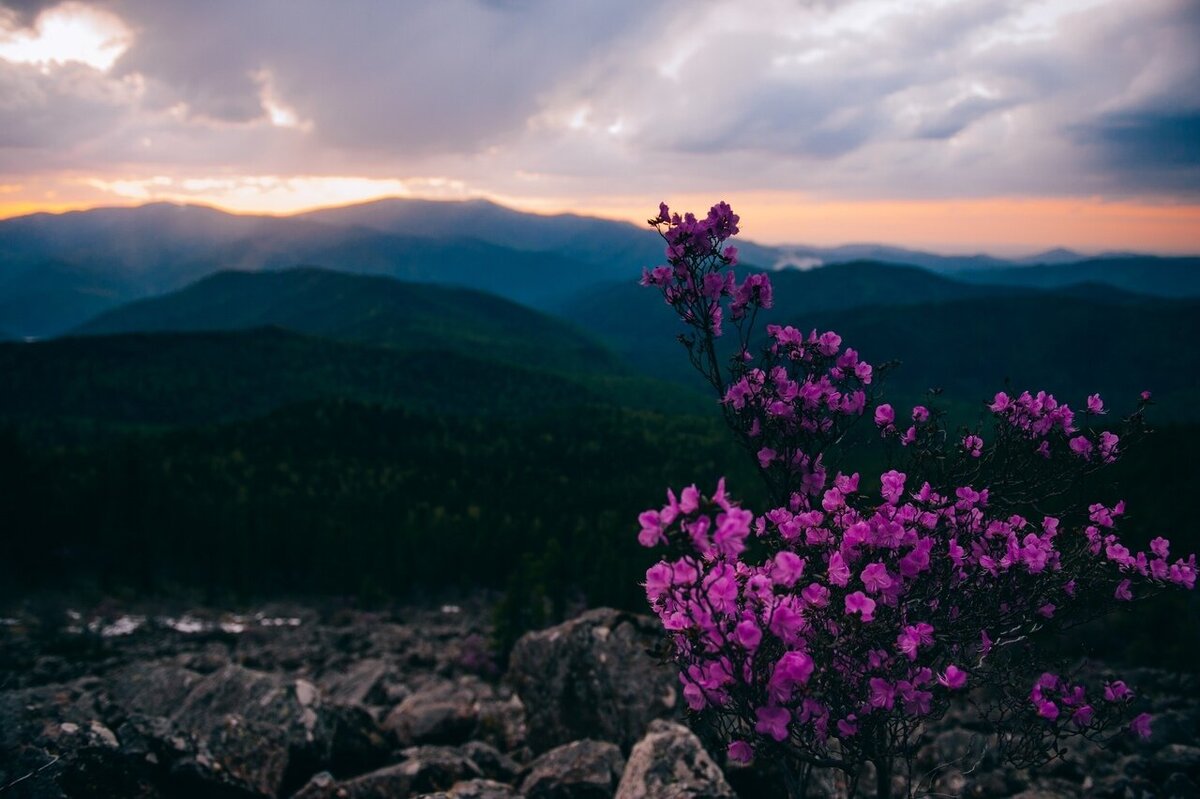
x=151, y=688
x=592, y=676
x=580, y=770
x=362, y=682
x=492, y=762
x=424, y=769
x=317, y=734
x=54, y=742
x=475, y=789
x=670, y=763
x=440, y=713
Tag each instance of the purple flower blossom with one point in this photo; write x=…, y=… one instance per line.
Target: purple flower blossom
x=1141, y=726
x=953, y=677
x=860, y=603
x=947, y=553
x=885, y=416
x=740, y=752
x=876, y=578
x=772, y=722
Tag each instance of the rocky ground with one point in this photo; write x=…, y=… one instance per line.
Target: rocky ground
x=291, y=702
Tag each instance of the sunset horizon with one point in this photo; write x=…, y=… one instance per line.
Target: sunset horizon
x=1172, y=228
x=1010, y=129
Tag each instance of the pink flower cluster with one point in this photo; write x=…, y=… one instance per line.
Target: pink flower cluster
x=810, y=387
x=839, y=620
x=1040, y=416
x=693, y=282
x=859, y=608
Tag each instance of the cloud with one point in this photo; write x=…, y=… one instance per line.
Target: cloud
x=539, y=98
x=25, y=12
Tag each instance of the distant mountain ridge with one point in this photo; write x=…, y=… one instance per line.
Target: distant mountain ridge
x=963, y=337
x=366, y=309
x=59, y=270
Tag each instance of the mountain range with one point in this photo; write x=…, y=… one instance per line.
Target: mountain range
x=406, y=396
x=57, y=271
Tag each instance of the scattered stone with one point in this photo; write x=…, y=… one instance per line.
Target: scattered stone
x=492, y=762
x=475, y=789
x=444, y=713
x=670, y=763
x=592, y=676
x=424, y=769
x=584, y=769
x=361, y=683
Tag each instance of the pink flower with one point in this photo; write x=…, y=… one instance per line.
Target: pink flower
x=658, y=580
x=748, y=634
x=1001, y=403
x=1108, y=446
x=1081, y=446
x=885, y=416
x=973, y=445
x=1083, y=716
x=790, y=671
x=652, y=529
x=766, y=456
x=860, y=603
x=913, y=637
x=740, y=752
x=1047, y=709
x=816, y=595
x=839, y=573
x=689, y=499
x=1123, y=593
x=732, y=528
x=1117, y=691
x=694, y=696
x=883, y=693
x=953, y=678
x=892, y=485
x=1095, y=404
x=920, y=414
x=773, y=722
x=848, y=727
x=1141, y=726
x=787, y=569
x=876, y=578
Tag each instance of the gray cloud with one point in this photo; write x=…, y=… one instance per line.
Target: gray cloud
x=855, y=99
x=25, y=11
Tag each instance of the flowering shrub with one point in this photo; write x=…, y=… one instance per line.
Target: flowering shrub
x=828, y=630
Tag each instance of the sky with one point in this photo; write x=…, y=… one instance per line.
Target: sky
x=1007, y=126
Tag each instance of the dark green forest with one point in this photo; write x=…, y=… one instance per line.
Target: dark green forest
x=371, y=445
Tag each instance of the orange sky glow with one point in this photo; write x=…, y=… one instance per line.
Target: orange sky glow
x=1057, y=123
x=1004, y=226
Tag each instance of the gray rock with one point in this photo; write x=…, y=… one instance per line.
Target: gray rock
x=150, y=688
x=502, y=722
x=670, y=763
x=425, y=769
x=492, y=762
x=475, y=789
x=1179, y=786
x=442, y=713
x=54, y=740
x=592, y=676
x=361, y=681
x=1175, y=758
x=580, y=770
